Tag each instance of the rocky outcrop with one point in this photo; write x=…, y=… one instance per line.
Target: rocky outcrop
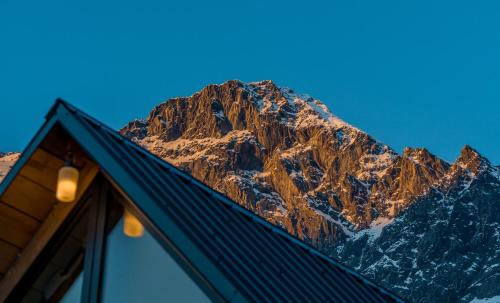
x=7, y=160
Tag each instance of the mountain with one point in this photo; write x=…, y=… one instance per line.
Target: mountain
x=425, y=228
x=278, y=153
x=412, y=222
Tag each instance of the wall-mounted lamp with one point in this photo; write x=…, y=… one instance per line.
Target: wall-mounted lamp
x=67, y=181
x=131, y=225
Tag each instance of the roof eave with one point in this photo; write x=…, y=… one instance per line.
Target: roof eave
x=26, y=154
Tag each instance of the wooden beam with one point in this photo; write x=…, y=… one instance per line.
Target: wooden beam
x=9, y=253
x=96, y=243
x=44, y=234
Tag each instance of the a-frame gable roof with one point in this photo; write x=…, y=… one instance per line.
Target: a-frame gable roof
x=235, y=254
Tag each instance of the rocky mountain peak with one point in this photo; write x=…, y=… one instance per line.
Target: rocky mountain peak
x=428, y=164
x=472, y=161
x=423, y=157
x=260, y=134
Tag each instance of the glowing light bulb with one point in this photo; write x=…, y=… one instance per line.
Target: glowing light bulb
x=131, y=226
x=67, y=183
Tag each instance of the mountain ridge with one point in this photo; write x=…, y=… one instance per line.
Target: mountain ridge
x=285, y=108
x=284, y=156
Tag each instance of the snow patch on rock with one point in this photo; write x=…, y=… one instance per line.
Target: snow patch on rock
x=375, y=229
x=494, y=299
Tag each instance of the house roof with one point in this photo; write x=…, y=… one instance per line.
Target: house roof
x=240, y=255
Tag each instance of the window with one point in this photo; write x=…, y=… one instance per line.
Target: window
x=90, y=259
x=140, y=270
x=58, y=270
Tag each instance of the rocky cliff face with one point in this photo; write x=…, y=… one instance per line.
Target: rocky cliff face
x=278, y=153
x=401, y=219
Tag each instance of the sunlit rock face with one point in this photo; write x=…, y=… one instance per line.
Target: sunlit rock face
x=7, y=160
x=402, y=220
x=278, y=153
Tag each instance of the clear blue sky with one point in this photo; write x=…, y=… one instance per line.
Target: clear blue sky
x=411, y=73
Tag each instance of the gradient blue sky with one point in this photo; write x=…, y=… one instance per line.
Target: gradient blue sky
x=410, y=73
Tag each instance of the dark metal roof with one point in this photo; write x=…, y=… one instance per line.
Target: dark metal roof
x=243, y=257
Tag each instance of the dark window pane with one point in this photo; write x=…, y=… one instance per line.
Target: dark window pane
x=140, y=270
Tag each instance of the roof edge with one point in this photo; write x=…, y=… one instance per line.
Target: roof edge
x=28, y=152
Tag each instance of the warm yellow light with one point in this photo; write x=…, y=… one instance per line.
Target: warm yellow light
x=131, y=226
x=67, y=183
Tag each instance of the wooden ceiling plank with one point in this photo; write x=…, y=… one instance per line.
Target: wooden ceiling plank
x=15, y=226
x=43, y=167
x=80, y=158
x=20, y=211
x=29, y=197
x=46, y=160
